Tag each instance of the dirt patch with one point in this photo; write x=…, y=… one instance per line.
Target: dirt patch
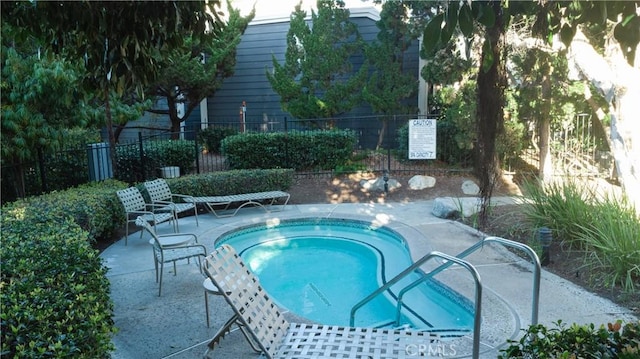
x=348, y=189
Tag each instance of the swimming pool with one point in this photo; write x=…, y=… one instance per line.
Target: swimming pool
x=319, y=268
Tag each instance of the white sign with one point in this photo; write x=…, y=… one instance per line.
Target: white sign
x=422, y=139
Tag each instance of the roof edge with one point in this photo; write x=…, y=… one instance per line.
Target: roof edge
x=369, y=12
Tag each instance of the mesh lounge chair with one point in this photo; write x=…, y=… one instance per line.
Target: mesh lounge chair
x=135, y=206
x=266, y=200
x=256, y=313
x=160, y=193
x=171, y=248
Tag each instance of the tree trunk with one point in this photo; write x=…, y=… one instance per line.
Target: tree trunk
x=490, y=117
x=545, y=170
x=109, y=124
x=382, y=133
x=619, y=83
x=173, y=118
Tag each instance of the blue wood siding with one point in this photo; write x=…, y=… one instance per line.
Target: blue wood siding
x=249, y=83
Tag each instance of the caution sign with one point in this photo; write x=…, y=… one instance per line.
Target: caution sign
x=422, y=139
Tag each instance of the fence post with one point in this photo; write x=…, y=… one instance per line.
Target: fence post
x=43, y=175
x=196, y=131
x=286, y=142
x=141, y=150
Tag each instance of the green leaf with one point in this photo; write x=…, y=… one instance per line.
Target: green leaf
x=432, y=33
x=452, y=14
x=465, y=20
x=486, y=16
x=566, y=34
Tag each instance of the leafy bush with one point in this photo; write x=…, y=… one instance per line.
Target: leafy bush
x=55, y=294
x=232, y=182
x=577, y=341
x=298, y=150
x=213, y=136
x=156, y=154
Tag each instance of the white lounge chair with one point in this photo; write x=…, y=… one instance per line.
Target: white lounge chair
x=258, y=315
x=261, y=199
x=160, y=193
x=169, y=248
x=135, y=206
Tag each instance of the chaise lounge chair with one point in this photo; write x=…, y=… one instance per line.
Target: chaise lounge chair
x=258, y=315
x=260, y=199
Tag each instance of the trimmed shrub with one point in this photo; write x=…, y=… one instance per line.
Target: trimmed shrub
x=93, y=206
x=233, y=182
x=55, y=294
x=298, y=150
x=577, y=341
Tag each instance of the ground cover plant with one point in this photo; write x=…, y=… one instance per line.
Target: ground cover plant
x=577, y=341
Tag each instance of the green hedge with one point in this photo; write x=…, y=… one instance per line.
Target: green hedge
x=55, y=294
x=233, y=182
x=308, y=150
x=93, y=206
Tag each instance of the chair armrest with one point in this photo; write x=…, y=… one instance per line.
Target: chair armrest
x=138, y=213
x=161, y=205
x=204, y=249
x=194, y=238
x=182, y=197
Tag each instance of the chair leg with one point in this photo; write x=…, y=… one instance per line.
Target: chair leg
x=155, y=263
x=126, y=232
x=160, y=286
x=206, y=306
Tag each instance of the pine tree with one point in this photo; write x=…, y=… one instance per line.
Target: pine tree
x=317, y=78
x=389, y=86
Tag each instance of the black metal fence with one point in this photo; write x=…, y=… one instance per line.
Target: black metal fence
x=381, y=146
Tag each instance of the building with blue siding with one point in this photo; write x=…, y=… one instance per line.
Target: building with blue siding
x=262, y=40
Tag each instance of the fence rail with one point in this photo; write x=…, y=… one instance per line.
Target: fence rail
x=381, y=147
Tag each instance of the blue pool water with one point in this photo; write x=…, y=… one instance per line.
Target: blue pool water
x=319, y=268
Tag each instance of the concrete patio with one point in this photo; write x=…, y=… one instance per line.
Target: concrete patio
x=174, y=325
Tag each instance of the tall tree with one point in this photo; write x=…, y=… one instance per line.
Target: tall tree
x=39, y=101
x=389, y=86
x=119, y=42
x=316, y=78
x=197, y=69
x=552, y=18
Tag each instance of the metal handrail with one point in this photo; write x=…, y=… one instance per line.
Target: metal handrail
x=411, y=269
x=532, y=254
x=507, y=242
x=457, y=259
